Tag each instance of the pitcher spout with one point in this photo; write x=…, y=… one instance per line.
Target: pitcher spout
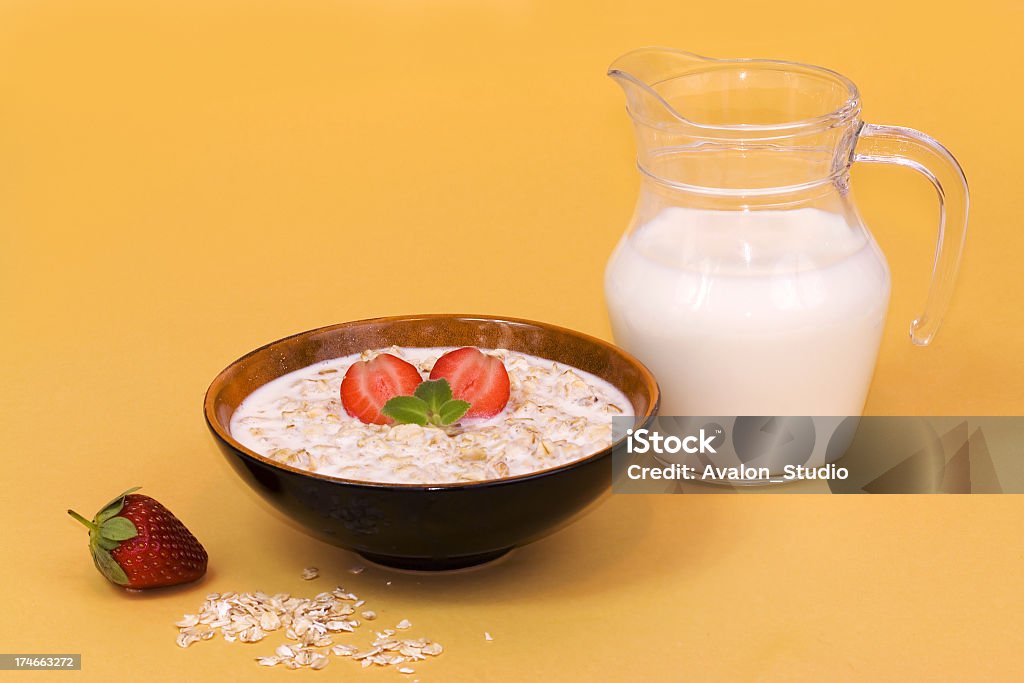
x=737, y=124
x=640, y=72
x=665, y=86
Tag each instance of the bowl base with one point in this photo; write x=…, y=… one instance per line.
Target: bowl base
x=434, y=564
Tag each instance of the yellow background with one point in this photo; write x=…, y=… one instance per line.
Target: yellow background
x=184, y=180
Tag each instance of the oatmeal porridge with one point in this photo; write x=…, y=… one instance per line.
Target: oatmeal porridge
x=555, y=414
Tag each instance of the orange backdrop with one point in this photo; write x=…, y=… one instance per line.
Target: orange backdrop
x=181, y=181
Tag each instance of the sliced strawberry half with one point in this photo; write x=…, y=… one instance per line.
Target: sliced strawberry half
x=369, y=384
x=474, y=377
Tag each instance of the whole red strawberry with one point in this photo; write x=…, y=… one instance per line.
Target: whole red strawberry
x=138, y=543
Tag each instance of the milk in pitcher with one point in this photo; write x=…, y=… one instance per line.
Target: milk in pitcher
x=757, y=312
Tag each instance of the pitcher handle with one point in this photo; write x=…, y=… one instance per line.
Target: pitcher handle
x=913, y=149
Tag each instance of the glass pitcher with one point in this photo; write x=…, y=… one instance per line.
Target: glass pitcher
x=747, y=281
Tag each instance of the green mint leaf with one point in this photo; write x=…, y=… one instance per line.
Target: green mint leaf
x=406, y=410
x=118, y=529
x=435, y=393
x=451, y=411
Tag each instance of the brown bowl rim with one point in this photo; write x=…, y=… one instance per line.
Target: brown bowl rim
x=224, y=435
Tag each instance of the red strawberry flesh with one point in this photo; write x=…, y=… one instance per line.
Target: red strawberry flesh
x=164, y=553
x=475, y=377
x=368, y=385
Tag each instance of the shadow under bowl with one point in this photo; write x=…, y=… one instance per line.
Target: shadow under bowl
x=417, y=526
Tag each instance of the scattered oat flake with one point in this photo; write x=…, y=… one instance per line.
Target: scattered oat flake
x=358, y=569
x=488, y=636
x=406, y=670
x=310, y=573
x=309, y=623
x=270, y=621
x=185, y=639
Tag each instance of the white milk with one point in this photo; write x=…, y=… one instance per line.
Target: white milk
x=555, y=414
x=751, y=312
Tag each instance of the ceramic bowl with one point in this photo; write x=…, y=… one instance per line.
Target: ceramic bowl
x=415, y=526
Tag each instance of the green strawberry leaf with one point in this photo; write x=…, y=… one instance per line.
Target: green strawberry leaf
x=406, y=410
x=108, y=566
x=451, y=411
x=111, y=511
x=435, y=393
x=114, y=507
x=106, y=543
x=118, y=529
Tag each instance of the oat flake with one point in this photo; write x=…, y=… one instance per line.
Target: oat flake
x=307, y=622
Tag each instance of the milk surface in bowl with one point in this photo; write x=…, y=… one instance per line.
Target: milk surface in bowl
x=556, y=414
